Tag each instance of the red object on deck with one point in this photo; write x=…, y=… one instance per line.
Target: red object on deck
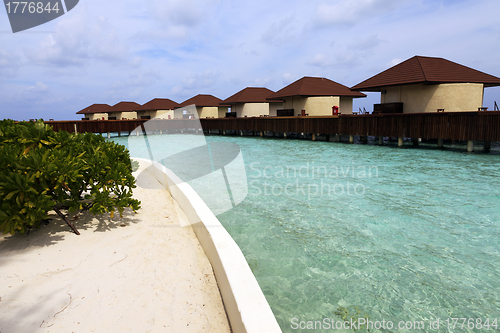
x=335, y=110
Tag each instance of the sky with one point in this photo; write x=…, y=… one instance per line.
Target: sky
x=112, y=51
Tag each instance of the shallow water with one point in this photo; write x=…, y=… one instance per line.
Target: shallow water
x=341, y=231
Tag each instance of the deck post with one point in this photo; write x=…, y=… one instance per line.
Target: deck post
x=109, y=135
x=380, y=140
x=351, y=138
x=261, y=133
x=314, y=137
x=470, y=146
x=224, y=132
x=137, y=133
x=76, y=131
x=400, y=141
x=241, y=133
x=487, y=145
x=284, y=135
x=440, y=143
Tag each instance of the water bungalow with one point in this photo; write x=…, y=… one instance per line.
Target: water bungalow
x=157, y=107
x=253, y=102
x=428, y=84
x=421, y=98
x=95, y=112
x=123, y=110
x=207, y=106
x=315, y=96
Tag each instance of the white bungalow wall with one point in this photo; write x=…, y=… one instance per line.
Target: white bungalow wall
x=211, y=111
x=319, y=106
x=273, y=107
x=222, y=110
x=451, y=97
x=155, y=113
x=251, y=109
x=178, y=113
x=96, y=116
x=123, y=115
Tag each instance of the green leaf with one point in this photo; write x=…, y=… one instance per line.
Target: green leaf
x=10, y=195
x=41, y=168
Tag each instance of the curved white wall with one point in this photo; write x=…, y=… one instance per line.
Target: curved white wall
x=246, y=306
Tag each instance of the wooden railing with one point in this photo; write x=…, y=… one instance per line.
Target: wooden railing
x=482, y=126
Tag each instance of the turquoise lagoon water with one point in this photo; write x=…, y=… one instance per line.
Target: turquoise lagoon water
x=341, y=231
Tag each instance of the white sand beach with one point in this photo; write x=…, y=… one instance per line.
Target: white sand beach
x=144, y=272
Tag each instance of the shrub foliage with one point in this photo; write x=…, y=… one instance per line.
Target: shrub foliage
x=42, y=170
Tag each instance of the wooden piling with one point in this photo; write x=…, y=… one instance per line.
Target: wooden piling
x=470, y=146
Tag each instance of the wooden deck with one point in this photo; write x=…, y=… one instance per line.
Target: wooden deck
x=476, y=126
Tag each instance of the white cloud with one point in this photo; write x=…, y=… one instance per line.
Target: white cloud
x=39, y=87
x=288, y=78
x=353, y=11
x=320, y=60
x=340, y=57
x=38, y=93
x=262, y=82
x=394, y=62
x=366, y=43
x=9, y=63
x=136, y=62
x=194, y=84
x=133, y=85
x=177, y=19
x=282, y=32
x=355, y=53
x=77, y=41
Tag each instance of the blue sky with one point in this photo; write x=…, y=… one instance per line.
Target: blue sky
x=112, y=51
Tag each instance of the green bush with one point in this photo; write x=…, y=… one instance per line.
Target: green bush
x=42, y=170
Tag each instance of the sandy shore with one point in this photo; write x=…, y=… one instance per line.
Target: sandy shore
x=145, y=272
